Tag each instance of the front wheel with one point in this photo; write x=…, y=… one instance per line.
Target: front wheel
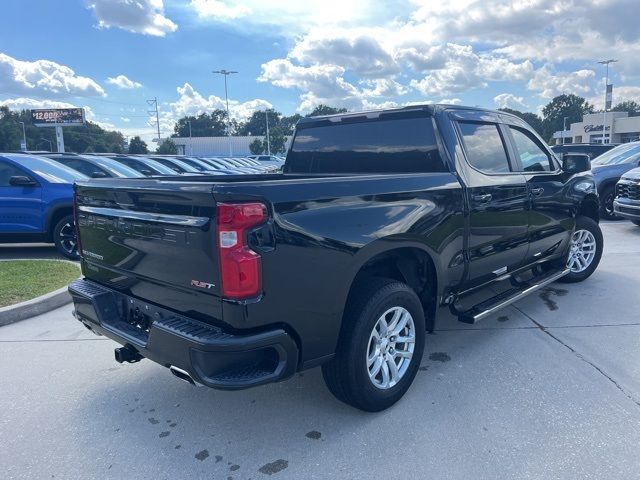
x=585, y=250
x=64, y=238
x=380, y=346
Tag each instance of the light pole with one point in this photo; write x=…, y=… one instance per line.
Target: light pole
x=564, y=127
x=190, y=139
x=266, y=114
x=226, y=73
x=606, y=85
x=24, y=136
x=50, y=143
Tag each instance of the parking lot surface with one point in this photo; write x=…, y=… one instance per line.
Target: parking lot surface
x=547, y=388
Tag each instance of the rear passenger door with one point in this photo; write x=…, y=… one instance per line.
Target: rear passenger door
x=550, y=215
x=498, y=200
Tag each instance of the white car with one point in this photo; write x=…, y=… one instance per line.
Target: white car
x=271, y=160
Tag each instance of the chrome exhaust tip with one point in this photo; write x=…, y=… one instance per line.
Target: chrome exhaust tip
x=184, y=375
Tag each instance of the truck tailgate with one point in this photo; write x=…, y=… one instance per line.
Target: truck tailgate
x=154, y=240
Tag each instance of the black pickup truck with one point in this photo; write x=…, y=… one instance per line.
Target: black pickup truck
x=379, y=221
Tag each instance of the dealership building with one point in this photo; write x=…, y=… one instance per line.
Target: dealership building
x=619, y=127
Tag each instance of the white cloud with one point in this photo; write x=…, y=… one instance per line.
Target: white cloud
x=549, y=84
x=43, y=77
x=325, y=84
x=25, y=103
x=358, y=50
x=509, y=100
x=463, y=70
x=122, y=81
x=219, y=9
x=192, y=102
x=125, y=119
x=137, y=16
x=620, y=94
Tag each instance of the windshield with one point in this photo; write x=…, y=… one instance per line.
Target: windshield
x=626, y=153
x=48, y=169
x=118, y=169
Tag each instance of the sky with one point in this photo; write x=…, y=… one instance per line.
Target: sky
x=113, y=56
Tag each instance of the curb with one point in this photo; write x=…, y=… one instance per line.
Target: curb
x=36, y=306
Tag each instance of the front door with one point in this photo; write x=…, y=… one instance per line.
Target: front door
x=550, y=215
x=498, y=203
x=20, y=206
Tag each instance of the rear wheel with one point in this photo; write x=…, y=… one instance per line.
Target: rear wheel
x=380, y=346
x=64, y=238
x=585, y=250
x=606, y=203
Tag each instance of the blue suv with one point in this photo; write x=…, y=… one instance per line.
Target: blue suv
x=36, y=202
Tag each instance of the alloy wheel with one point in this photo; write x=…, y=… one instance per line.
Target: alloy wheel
x=582, y=251
x=390, y=348
x=67, y=238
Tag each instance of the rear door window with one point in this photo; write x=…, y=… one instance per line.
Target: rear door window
x=399, y=145
x=485, y=147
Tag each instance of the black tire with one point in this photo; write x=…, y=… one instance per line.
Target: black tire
x=607, y=196
x=64, y=238
x=636, y=222
x=347, y=375
x=586, y=223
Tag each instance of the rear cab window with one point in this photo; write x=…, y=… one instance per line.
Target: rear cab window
x=485, y=148
x=352, y=146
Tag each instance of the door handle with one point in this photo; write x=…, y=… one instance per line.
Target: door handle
x=537, y=190
x=484, y=198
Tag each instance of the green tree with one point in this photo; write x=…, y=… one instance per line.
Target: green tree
x=257, y=146
x=628, y=106
x=137, y=145
x=288, y=124
x=213, y=124
x=571, y=106
x=10, y=130
x=167, y=147
x=256, y=124
x=531, y=118
x=325, y=110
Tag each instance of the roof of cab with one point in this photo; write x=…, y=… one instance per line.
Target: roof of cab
x=371, y=114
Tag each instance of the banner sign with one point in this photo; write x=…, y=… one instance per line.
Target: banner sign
x=57, y=117
x=607, y=105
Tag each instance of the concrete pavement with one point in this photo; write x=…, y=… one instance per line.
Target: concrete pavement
x=548, y=388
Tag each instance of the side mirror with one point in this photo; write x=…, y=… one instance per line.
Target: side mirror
x=22, y=181
x=575, y=163
x=98, y=174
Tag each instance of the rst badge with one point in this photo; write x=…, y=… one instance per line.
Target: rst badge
x=199, y=284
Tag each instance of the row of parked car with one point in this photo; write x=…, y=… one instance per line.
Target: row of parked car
x=616, y=174
x=36, y=191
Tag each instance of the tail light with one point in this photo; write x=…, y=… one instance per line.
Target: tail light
x=240, y=267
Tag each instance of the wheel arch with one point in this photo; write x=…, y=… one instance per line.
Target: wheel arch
x=590, y=207
x=410, y=264
x=54, y=215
